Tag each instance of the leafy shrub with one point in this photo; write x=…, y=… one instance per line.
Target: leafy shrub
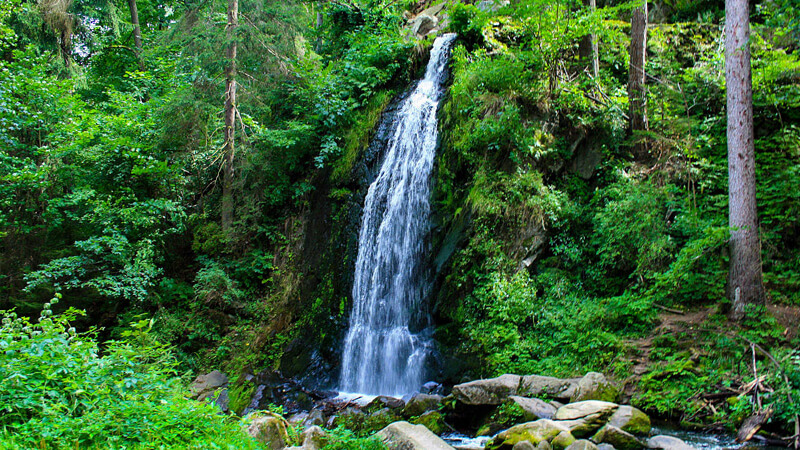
x=61, y=389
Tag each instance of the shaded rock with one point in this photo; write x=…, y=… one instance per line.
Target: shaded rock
x=204, y=385
x=432, y=387
x=582, y=444
x=524, y=445
x=580, y=410
x=534, y=432
x=585, y=426
x=533, y=408
x=222, y=400
x=621, y=440
x=315, y=418
x=538, y=386
x=420, y=403
x=492, y=391
x=562, y=440
x=544, y=445
x=432, y=420
x=268, y=429
x=630, y=419
x=297, y=419
x=667, y=443
x=595, y=386
x=405, y=436
x=384, y=401
x=605, y=447
x=422, y=24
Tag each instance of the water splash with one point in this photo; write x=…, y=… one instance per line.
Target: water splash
x=389, y=337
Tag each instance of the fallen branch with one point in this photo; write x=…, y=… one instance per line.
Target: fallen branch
x=675, y=311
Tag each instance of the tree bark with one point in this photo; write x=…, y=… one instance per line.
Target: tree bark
x=745, y=285
x=588, y=45
x=137, y=32
x=230, y=116
x=637, y=96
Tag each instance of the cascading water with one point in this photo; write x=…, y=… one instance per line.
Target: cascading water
x=387, y=344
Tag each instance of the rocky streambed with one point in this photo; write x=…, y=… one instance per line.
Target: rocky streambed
x=514, y=412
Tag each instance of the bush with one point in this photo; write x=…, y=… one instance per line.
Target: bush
x=61, y=389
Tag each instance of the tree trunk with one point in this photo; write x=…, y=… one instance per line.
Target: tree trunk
x=744, y=277
x=230, y=116
x=637, y=96
x=137, y=32
x=588, y=45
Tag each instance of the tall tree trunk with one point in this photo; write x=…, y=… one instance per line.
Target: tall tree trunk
x=230, y=116
x=137, y=32
x=588, y=45
x=637, y=97
x=745, y=284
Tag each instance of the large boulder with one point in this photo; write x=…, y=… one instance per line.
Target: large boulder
x=492, y=391
x=533, y=408
x=630, y=419
x=405, y=436
x=421, y=403
x=585, y=426
x=580, y=410
x=534, y=432
x=667, y=443
x=595, y=386
x=204, y=386
x=422, y=24
x=621, y=440
x=268, y=429
x=315, y=417
x=540, y=386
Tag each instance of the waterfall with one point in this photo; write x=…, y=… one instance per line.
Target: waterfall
x=389, y=337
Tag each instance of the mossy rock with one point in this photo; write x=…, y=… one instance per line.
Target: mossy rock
x=562, y=440
x=432, y=420
x=534, y=432
x=630, y=419
x=595, y=386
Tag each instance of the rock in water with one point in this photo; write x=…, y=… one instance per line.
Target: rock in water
x=492, y=391
x=667, y=443
x=621, y=440
x=405, y=436
x=534, y=432
x=630, y=419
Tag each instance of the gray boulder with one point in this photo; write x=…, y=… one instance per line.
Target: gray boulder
x=580, y=410
x=621, y=440
x=421, y=403
x=492, y=391
x=630, y=419
x=524, y=445
x=533, y=408
x=315, y=418
x=595, y=386
x=422, y=24
x=538, y=386
x=582, y=444
x=562, y=440
x=204, y=386
x=313, y=438
x=605, y=447
x=405, y=436
x=384, y=401
x=544, y=445
x=668, y=443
